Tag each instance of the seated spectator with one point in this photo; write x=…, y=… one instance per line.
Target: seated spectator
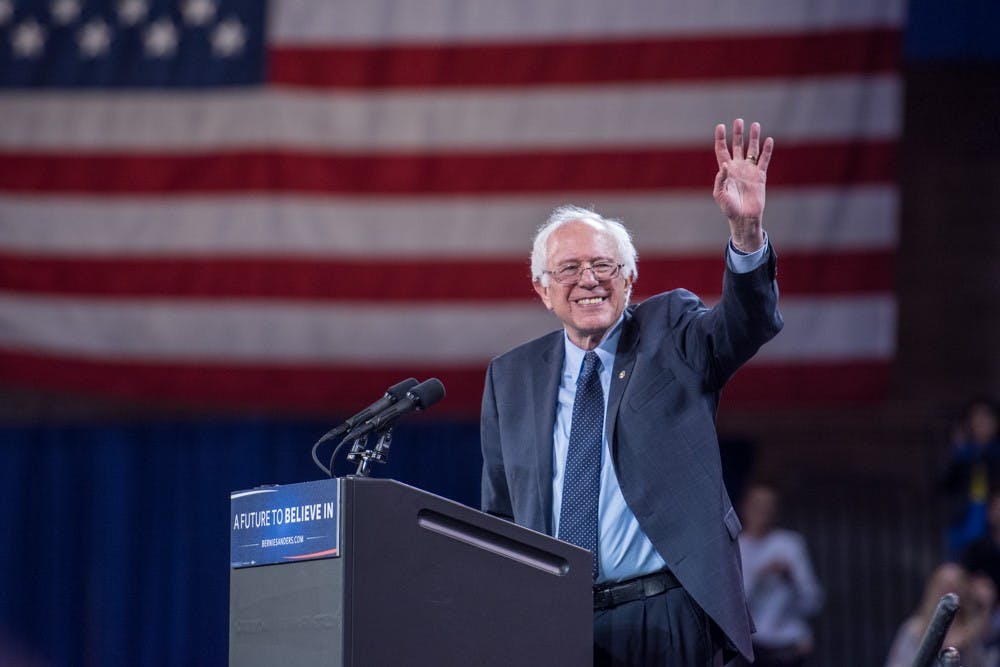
x=968, y=631
x=972, y=474
x=782, y=590
x=983, y=555
x=982, y=558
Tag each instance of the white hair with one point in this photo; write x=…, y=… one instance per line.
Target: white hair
x=569, y=213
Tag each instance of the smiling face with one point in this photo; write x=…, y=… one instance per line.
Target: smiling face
x=589, y=308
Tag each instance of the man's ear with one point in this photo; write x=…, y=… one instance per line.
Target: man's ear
x=543, y=293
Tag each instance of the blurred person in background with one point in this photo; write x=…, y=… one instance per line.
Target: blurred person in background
x=972, y=474
x=781, y=587
x=968, y=632
x=982, y=556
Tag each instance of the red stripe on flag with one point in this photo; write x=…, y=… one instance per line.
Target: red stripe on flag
x=317, y=389
x=431, y=279
x=521, y=64
x=834, y=163
x=307, y=389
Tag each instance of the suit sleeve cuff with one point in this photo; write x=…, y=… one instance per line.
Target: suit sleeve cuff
x=745, y=262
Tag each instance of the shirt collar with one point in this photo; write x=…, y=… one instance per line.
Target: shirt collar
x=605, y=350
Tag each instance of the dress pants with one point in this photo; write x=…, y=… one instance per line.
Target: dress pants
x=668, y=629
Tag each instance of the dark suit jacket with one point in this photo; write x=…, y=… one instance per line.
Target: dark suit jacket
x=673, y=358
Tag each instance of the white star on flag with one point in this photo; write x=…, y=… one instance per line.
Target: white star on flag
x=161, y=39
x=198, y=12
x=28, y=40
x=130, y=12
x=228, y=38
x=94, y=38
x=64, y=12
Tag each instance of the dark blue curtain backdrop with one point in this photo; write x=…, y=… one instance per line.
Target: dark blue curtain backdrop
x=114, y=543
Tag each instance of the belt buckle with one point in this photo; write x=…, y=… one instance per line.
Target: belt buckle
x=640, y=588
x=653, y=585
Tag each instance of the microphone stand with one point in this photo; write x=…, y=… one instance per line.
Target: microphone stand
x=363, y=456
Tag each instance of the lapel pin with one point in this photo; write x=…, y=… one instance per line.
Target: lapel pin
x=621, y=375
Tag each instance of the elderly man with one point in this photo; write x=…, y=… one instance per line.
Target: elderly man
x=603, y=434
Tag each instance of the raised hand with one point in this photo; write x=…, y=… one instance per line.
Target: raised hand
x=739, y=184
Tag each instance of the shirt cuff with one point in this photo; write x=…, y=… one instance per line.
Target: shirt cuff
x=745, y=262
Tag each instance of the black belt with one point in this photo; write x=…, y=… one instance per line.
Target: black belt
x=614, y=594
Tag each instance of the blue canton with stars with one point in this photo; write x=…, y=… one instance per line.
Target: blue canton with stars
x=578, y=514
x=131, y=43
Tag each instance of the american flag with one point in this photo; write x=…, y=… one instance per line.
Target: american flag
x=293, y=206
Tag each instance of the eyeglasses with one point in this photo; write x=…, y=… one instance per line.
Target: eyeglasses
x=570, y=274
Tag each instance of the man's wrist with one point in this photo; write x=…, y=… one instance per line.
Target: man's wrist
x=747, y=245
x=742, y=261
x=747, y=236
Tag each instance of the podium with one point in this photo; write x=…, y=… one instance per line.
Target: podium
x=411, y=579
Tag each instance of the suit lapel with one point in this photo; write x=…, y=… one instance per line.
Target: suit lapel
x=622, y=373
x=545, y=389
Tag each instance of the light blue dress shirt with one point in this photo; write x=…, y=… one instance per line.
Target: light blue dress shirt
x=624, y=551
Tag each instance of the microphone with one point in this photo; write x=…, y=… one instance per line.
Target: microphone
x=944, y=614
x=394, y=393
x=417, y=399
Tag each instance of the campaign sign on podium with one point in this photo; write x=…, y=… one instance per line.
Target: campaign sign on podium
x=284, y=524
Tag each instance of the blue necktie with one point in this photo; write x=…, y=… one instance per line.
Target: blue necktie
x=582, y=479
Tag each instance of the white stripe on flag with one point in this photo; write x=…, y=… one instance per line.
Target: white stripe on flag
x=818, y=329
x=796, y=218
x=347, y=21
x=822, y=109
